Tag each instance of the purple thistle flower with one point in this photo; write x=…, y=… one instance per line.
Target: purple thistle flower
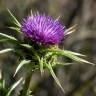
x=42, y=29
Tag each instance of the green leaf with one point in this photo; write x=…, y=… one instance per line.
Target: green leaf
x=2, y=83
x=54, y=76
x=76, y=58
x=81, y=60
x=41, y=66
x=62, y=52
x=14, y=19
x=16, y=29
x=49, y=54
x=14, y=86
x=70, y=30
x=22, y=63
x=6, y=50
x=5, y=36
x=27, y=46
x=71, y=55
x=63, y=63
x=3, y=40
x=31, y=49
x=74, y=53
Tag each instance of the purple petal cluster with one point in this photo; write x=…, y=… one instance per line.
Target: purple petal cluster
x=42, y=29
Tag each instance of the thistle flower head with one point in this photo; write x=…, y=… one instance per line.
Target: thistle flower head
x=43, y=29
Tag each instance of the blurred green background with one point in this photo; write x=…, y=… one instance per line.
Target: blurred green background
x=76, y=79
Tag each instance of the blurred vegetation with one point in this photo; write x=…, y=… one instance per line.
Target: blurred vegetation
x=77, y=80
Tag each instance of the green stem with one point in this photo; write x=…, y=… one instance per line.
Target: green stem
x=26, y=85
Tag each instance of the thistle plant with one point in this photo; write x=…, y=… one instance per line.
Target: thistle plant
x=38, y=49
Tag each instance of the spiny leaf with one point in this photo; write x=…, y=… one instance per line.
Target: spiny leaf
x=2, y=83
x=71, y=30
x=41, y=66
x=14, y=19
x=76, y=58
x=22, y=63
x=30, y=48
x=6, y=50
x=58, y=51
x=54, y=76
x=48, y=54
x=74, y=53
x=27, y=46
x=5, y=36
x=63, y=63
x=3, y=40
x=15, y=28
x=14, y=86
x=71, y=55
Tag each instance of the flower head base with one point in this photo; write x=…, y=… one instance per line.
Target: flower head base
x=42, y=29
